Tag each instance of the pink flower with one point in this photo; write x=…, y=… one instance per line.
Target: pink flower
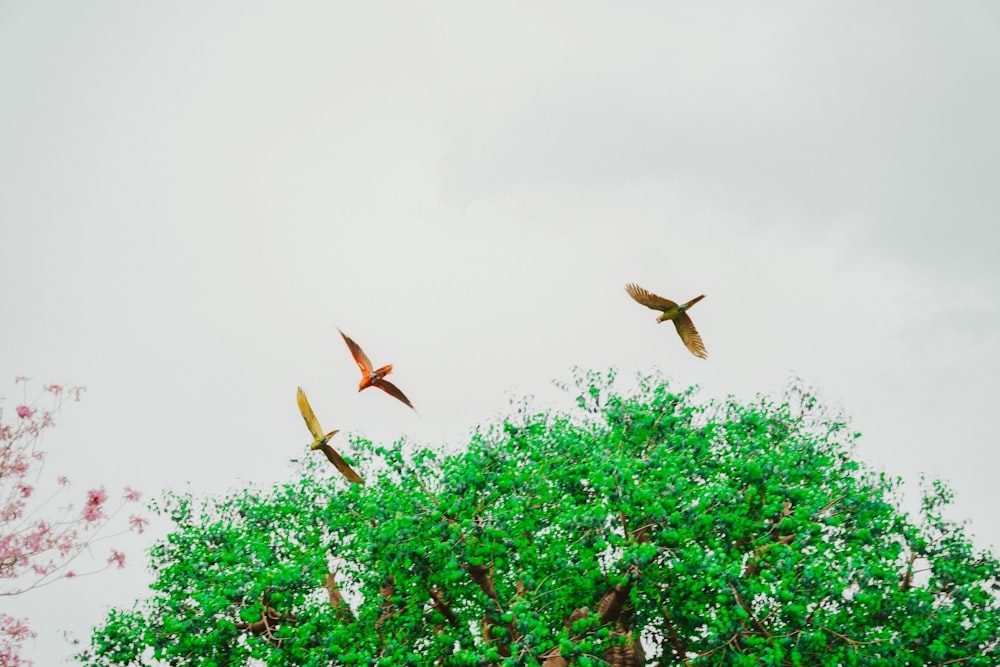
x=67, y=543
x=20, y=378
x=12, y=511
x=19, y=466
x=25, y=490
x=131, y=494
x=14, y=627
x=24, y=412
x=63, y=480
x=95, y=498
x=54, y=388
x=70, y=574
x=117, y=557
x=43, y=531
x=137, y=523
x=34, y=542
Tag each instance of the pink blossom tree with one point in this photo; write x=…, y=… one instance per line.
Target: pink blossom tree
x=40, y=539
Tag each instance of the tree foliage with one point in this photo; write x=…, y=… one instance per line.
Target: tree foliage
x=639, y=528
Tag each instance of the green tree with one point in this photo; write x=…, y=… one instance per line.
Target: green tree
x=640, y=528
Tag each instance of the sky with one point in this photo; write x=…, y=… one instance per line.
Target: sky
x=195, y=196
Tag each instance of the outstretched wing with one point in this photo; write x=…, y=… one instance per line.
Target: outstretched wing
x=307, y=413
x=649, y=299
x=690, y=335
x=393, y=391
x=359, y=355
x=341, y=465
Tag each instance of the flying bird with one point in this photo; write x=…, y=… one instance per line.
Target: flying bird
x=671, y=311
x=320, y=441
x=373, y=377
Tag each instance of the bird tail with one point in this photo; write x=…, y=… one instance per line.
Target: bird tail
x=692, y=302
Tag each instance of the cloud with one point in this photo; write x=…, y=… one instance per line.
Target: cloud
x=878, y=121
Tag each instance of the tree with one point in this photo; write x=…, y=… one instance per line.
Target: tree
x=38, y=548
x=640, y=528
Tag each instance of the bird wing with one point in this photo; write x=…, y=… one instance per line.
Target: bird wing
x=307, y=413
x=341, y=465
x=690, y=335
x=649, y=299
x=359, y=355
x=393, y=391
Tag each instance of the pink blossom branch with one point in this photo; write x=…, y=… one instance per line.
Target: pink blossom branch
x=34, y=545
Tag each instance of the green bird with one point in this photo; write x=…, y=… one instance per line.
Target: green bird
x=321, y=440
x=672, y=311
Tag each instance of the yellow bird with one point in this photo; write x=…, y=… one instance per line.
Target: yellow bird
x=672, y=311
x=321, y=441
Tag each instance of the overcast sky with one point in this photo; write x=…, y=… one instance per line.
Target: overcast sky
x=194, y=196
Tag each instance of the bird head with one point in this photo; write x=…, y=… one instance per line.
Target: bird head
x=318, y=444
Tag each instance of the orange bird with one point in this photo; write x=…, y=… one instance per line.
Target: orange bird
x=371, y=376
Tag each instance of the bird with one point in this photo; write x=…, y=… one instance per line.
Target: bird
x=320, y=441
x=373, y=377
x=672, y=311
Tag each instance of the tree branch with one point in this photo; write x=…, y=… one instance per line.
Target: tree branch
x=746, y=607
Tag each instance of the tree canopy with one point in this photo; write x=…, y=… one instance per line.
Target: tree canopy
x=641, y=527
